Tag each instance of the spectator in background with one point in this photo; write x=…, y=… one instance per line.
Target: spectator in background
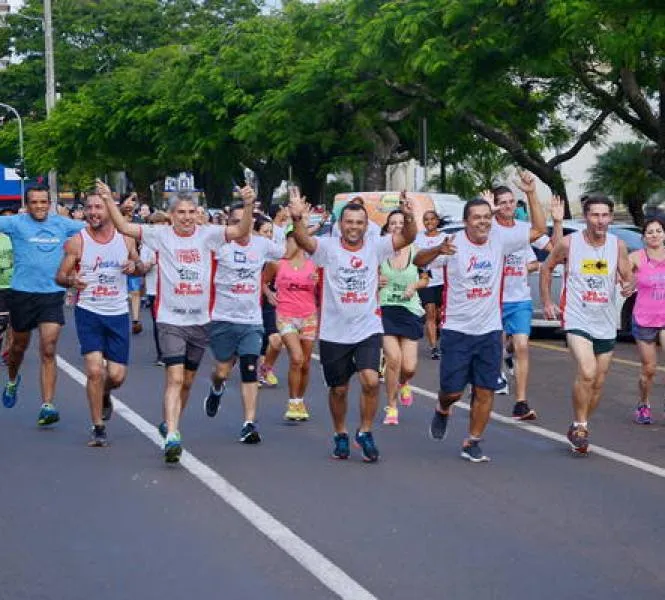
x=144, y=212
x=76, y=213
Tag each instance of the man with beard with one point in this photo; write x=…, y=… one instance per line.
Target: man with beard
x=96, y=263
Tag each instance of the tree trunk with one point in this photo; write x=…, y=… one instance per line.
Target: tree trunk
x=634, y=206
x=374, y=179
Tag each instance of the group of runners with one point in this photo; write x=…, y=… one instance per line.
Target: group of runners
x=248, y=287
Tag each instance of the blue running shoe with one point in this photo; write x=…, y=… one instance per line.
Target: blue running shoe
x=162, y=429
x=439, y=426
x=9, y=394
x=365, y=441
x=173, y=448
x=48, y=415
x=341, y=450
x=471, y=451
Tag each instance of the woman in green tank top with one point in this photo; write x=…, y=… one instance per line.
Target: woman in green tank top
x=402, y=315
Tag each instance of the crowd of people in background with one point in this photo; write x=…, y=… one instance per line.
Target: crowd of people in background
x=250, y=284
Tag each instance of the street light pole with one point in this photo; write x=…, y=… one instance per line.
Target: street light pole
x=50, y=90
x=20, y=147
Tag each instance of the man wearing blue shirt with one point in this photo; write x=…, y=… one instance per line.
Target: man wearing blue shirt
x=36, y=300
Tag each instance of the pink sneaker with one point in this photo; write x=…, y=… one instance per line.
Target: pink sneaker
x=643, y=415
x=392, y=416
x=405, y=395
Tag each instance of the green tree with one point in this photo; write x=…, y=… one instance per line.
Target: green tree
x=622, y=172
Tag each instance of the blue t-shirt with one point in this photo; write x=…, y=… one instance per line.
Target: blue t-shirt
x=38, y=249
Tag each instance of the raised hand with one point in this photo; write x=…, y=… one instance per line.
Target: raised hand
x=103, y=190
x=557, y=208
x=297, y=204
x=488, y=196
x=526, y=182
x=447, y=247
x=248, y=195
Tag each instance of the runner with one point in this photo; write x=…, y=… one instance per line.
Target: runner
x=96, y=263
x=593, y=259
x=271, y=344
x=36, y=300
x=149, y=260
x=351, y=328
x=431, y=295
x=402, y=318
x=184, y=293
x=236, y=329
x=517, y=308
x=649, y=310
x=297, y=286
x=471, y=335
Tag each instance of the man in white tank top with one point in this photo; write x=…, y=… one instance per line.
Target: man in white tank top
x=185, y=274
x=593, y=259
x=96, y=263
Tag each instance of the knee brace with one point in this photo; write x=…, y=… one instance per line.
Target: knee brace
x=248, y=372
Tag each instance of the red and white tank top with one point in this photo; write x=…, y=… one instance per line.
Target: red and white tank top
x=101, y=268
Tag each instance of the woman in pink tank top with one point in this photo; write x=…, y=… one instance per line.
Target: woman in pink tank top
x=297, y=283
x=649, y=310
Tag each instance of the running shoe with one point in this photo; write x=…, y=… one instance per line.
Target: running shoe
x=10, y=393
x=392, y=416
x=643, y=415
x=212, y=400
x=471, y=451
x=269, y=378
x=435, y=354
x=510, y=364
x=438, y=426
x=341, y=449
x=159, y=363
x=48, y=414
x=107, y=407
x=163, y=429
x=173, y=448
x=406, y=395
x=292, y=412
x=578, y=436
x=98, y=438
x=522, y=412
x=365, y=441
x=137, y=327
x=249, y=434
x=304, y=413
x=503, y=389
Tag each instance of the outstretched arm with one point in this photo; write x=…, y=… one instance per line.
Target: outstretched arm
x=130, y=229
x=426, y=256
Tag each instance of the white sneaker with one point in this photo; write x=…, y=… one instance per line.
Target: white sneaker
x=504, y=390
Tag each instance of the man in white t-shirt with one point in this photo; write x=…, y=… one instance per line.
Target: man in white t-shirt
x=236, y=330
x=471, y=329
x=517, y=309
x=184, y=256
x=350, y=326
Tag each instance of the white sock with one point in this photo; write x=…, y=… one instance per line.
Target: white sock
x=580, y=424
x=293, y=401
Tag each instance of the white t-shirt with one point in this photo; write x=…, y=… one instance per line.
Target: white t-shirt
x=515, y=266
x=279, y=234
x=148, y=255
x=185, y=272
x=238, y=279
x=473, y=278
x=349, y=307
x=435, y=268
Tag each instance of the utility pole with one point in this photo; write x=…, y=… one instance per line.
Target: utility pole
x=50, y=91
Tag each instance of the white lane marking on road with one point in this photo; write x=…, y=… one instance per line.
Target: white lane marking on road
x=327, y=572
x=551, y=435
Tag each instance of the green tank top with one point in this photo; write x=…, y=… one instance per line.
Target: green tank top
x=6, y=261
x=392, y=294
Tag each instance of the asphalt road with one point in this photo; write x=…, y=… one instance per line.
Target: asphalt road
x=81, y=523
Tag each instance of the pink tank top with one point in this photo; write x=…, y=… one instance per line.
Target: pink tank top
x=296, y=289
x=649, y=310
